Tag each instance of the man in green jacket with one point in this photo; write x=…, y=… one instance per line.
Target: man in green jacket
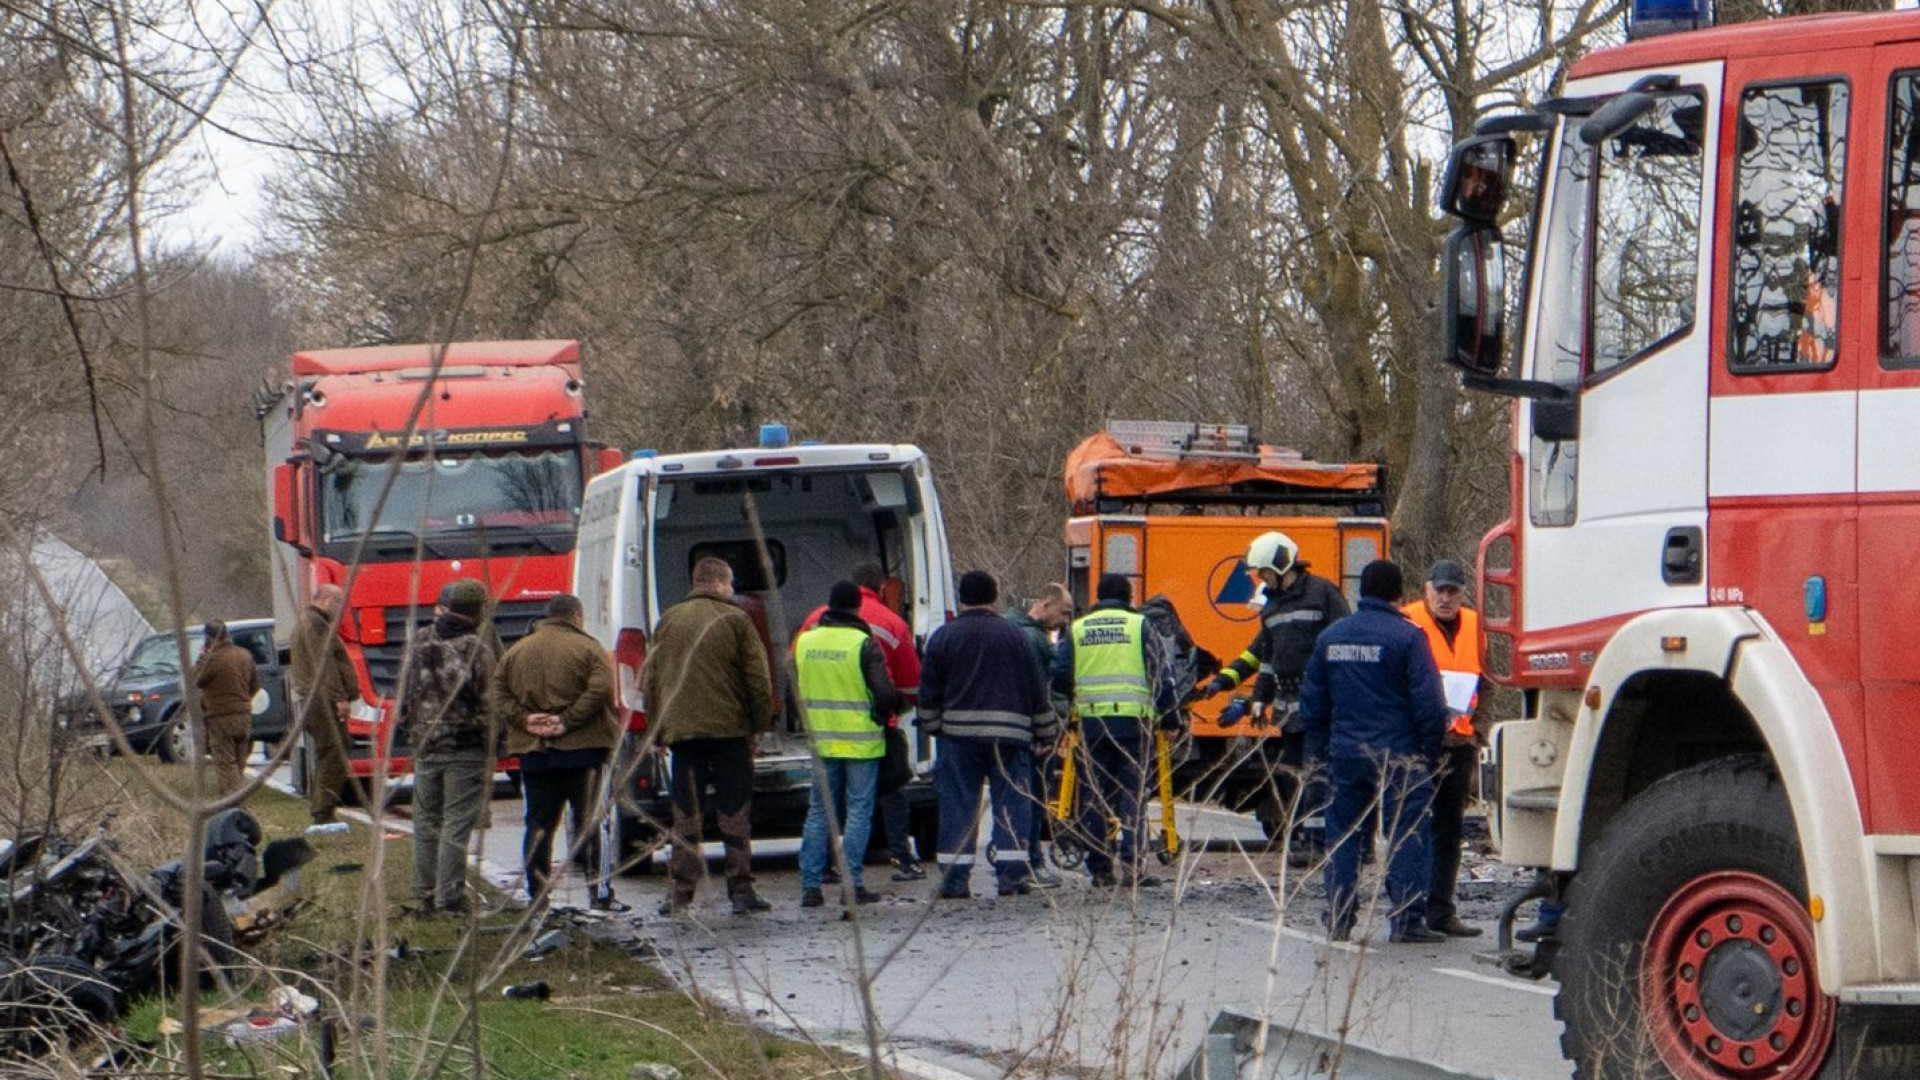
x=554, y=694
x=709, y=696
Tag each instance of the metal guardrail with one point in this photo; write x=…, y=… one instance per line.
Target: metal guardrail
x=1234, y=1050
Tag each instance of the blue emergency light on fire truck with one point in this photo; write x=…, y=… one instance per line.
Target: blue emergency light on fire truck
x=1715, y=505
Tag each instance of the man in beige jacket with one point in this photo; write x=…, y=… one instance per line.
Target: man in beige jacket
x=325, y=686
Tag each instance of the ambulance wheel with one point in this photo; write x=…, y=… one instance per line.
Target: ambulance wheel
x=1686, y=948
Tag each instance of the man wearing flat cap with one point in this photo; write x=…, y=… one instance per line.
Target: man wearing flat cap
x=1453, y=632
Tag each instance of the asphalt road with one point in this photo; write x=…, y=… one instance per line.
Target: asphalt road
x=1122, y=983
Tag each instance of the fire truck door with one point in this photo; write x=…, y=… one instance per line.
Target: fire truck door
x=1888, y=313
x=1784, y=417
x=1616, y=482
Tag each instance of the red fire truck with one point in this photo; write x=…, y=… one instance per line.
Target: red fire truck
x=487, y=484
x=1715, y=490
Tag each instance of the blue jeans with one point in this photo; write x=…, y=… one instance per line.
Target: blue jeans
x=854, y=782
x=1006, y=769
x=1403, y=788
x=1116, y=758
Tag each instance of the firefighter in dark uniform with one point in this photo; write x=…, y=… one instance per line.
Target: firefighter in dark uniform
x=1299, y=605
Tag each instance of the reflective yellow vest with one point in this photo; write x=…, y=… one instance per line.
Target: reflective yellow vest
x=834, y=697
x=1110, y=664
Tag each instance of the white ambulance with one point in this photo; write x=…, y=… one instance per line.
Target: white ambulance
x=819, y=509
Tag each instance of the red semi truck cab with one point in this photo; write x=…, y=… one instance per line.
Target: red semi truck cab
x=1703, y=587
x=390, y=478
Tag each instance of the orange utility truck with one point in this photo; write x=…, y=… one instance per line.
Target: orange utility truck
x=1173, y=506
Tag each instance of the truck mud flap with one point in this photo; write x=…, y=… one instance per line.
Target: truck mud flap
x=1234, y=1050
x=1875, y=1042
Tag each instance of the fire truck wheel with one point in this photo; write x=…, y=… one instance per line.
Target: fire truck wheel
x=1686, y=948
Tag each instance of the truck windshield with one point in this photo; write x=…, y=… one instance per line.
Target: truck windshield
x=454, y=504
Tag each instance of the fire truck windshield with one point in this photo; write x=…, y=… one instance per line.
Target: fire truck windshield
x=452, y=505
x=1623, y=228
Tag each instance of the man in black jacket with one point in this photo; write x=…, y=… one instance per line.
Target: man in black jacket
x=1047, y=615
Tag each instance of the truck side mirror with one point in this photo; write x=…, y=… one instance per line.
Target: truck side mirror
x=286, y=507
x=1474, y=300
x=1479, y=174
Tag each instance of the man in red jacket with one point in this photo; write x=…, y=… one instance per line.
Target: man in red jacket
x=903, y=667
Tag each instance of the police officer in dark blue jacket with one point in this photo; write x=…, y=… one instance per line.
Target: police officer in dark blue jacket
x=1374, y=711
x=982, y=694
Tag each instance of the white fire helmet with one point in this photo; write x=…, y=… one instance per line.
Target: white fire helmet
x=1273, y=551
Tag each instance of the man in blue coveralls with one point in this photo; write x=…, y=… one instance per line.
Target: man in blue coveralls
x=1374, y=711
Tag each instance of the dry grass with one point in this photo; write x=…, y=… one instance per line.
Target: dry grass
x=608, y=1011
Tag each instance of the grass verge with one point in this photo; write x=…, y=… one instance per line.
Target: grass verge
x=395, y=986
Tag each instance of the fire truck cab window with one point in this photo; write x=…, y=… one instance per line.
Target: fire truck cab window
x=1788, y=187
x=1646, y=241
x=1900, y=331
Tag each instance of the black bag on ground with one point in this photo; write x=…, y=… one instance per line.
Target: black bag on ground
x=895, y=770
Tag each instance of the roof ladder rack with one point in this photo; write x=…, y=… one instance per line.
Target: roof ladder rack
x=1178, y=439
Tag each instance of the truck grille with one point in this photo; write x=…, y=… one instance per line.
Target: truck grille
x=513, y=618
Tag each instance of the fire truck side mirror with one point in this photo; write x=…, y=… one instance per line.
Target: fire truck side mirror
x=1479, y=174
x=1474, y=286
x=1556, y=421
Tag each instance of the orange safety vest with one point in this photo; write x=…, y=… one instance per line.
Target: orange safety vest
x=1462, y=655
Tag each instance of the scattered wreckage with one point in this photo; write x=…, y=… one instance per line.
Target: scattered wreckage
x=82, y=935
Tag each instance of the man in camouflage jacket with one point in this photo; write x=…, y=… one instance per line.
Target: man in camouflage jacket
x=445, y=707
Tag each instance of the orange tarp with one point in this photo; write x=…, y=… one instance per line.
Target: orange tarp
x=1101, y=468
